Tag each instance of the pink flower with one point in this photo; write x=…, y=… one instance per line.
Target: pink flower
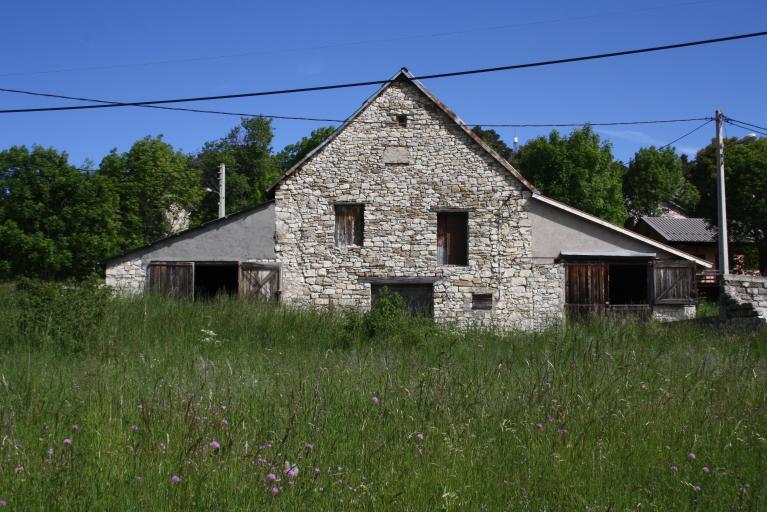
x=19, y=469
x=214, y=445
x=3, y=503
x=76, y=426
x=539, y=426
x=175, y=479
x=50, y=451
x=309, y=446
x=691, y=456
x=562, y=431
x=674, y=469
x=706, y=469
x=292, y=472
x=224, y=422
x=419, y=436
x=549, y=418
x=375, y=399
x=696, y=488
x=275, y=490
x=271, y=477
x=134, y=427
x=67, y=442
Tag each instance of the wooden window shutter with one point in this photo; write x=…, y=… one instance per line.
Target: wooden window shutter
x=350, y=220
x=172, y=279
x=674, y=282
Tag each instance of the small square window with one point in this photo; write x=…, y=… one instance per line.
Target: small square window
x=482, y=301
x=402, y=120
x=453, y=238
x=350, y=219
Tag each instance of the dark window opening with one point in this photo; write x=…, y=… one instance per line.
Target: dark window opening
x=481, y=301
x=350, y=219
x=453, y=238
x=628, y=284
x=418, y=298
x=402, y=120
x=212, y=279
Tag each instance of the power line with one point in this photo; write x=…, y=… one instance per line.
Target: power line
x=686, y=134
x=360, y=42
x=747, y=128
x=322, y=119
x=381, y=82
x=747, y=124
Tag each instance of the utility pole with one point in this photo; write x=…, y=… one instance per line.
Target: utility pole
x=221, y=190
x=721, y=200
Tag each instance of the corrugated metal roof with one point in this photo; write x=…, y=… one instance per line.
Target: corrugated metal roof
x=682, y=230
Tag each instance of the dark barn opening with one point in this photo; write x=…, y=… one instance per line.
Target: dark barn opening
x=628, y=284
x=211, y=279
x=419, y=298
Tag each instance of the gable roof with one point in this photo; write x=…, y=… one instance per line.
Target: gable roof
x=682, y=230
x=402, y=75
x=596, y=220
x=200, y=227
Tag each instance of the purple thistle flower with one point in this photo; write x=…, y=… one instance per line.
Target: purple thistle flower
x=19, y=469
x=375, y=399
x=674, y=469
x=275, y=490
x=419, y=436
x=76, y=426
x=292, y=472
x=67, y=442
x=214, y=445
x=563, y=431
x=271, y=477
x=696, y=488
x=706, y=469
x=691, y=456
x=549, y=418
x=134, y=427
x=175, y=479
x=539, y=426
x=3, y=503
x=50, y=451
x=309, y=446
x=225, y=422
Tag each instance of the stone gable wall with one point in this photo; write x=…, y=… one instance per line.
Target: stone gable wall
x=404, y=176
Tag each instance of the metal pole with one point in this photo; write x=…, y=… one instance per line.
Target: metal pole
x=221, y=190
x=721, y=200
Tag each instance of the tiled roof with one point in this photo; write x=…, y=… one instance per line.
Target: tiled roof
x=682, y=230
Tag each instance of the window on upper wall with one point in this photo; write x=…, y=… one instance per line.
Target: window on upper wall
x=401, y=120
x=453, y=238
x=481, y=301
x=350, y=220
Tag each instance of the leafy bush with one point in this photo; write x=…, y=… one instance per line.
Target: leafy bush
x=65, y=314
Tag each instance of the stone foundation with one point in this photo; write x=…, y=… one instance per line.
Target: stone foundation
x=127, y=277
x=744, y=300
x=671, y=313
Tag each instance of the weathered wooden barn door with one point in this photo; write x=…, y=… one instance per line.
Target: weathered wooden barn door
x=587, y=287
x=674, y=282
x=171, y=279
x=259, y=281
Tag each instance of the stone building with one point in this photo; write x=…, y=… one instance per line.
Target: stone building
x=405, y=196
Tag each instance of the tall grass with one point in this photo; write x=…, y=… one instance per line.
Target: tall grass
x=381, y=416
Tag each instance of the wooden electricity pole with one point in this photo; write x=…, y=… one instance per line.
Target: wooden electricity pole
x=221, y=190
x=721, y=200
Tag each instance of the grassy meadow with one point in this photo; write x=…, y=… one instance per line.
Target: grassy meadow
x=151, y=404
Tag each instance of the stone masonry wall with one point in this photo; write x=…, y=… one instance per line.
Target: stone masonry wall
x=127, y=277
x=744, y=299
x=404, y=176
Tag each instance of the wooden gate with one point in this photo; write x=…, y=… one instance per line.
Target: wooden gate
x=674, y=283
x=259, y=281
x=586, y=287
x=171, y=279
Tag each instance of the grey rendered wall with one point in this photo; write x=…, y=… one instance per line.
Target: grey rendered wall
x=555, y=231
x=248, y=236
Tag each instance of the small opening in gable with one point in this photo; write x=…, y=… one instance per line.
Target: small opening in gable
x=401, y=120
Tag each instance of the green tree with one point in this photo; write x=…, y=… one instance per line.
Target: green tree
x=493, y=139
x=293, y=153
x=55, y=221
x=656, y=175
x=746, y=186
x=152, y=179
x=578, y=170
x=247, y=152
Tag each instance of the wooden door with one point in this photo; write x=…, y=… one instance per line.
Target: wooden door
x=171, y=279
x=674, y=282
x=259, y=281
x=586, y=288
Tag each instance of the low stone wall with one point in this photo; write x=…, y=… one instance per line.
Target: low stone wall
x=671, y=313
x=744, y=299
x=127, y=277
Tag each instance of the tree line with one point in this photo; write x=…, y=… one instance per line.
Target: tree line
x=58, y=221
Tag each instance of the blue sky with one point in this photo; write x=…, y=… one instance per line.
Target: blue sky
x=293, y=44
